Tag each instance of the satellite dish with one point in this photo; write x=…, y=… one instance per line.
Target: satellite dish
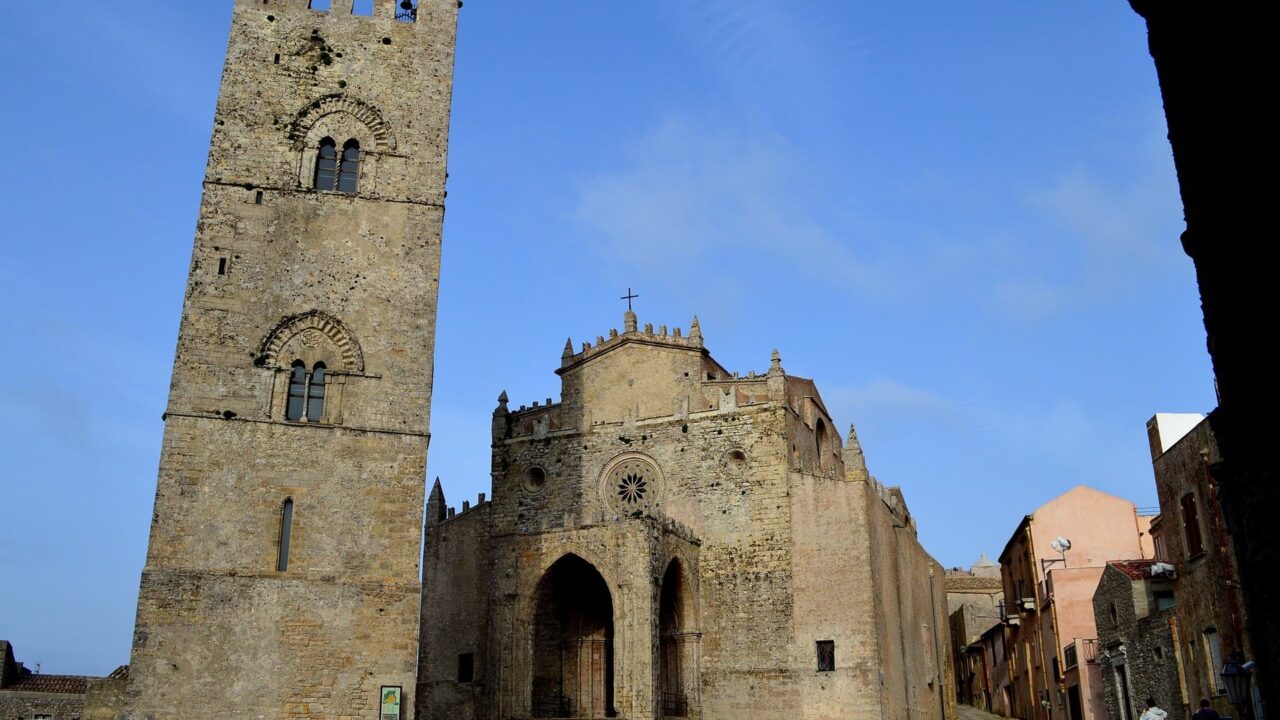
x=1063, y=544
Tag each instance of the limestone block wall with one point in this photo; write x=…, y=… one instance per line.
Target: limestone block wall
x=456, y=588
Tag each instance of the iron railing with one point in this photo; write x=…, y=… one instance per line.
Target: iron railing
x=1080, y=648
x=407, y=12
x=675, y=704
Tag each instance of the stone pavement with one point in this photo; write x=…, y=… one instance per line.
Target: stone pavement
x=972, y=713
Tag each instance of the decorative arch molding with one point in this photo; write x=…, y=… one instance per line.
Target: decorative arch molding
x=322, y=107
x=313, y=322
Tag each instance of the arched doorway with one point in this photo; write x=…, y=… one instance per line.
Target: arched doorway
x=675, y=648
x=572, y=643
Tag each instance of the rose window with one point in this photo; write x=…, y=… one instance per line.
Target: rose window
x=631, y=484
x=633, y=488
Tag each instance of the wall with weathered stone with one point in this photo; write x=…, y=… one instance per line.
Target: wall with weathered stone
x=1204, y=601
x=456, y=585
x=16, y=705
x=1142, y=639
x=281, y=271
x=745, y=494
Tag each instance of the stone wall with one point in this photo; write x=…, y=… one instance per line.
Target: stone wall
x=1207, y=606
x=284, y=272
x=1141, y=638
x=17, y=705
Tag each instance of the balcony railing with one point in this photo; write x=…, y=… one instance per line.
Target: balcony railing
x=1090, y=650
x=1079, y=649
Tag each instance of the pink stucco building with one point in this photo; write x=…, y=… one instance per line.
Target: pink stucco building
x=1052, y=670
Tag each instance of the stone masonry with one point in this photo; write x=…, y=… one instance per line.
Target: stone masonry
x=672, y=539
x=282, y=576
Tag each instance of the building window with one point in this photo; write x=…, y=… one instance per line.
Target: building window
x=327, y=165
x=349, y=170
x=286, y=533
x=466, y=667
x=334, y=172
x=1164, y=599
x=1213, y=656
x=826, y=655
x=306, y=392
x=820, y=442
x=1191, y=525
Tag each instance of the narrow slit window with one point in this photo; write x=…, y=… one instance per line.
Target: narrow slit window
x=286, y=533
x=349, y=173
x=297, y=392
x=257, y=198
x=222, y=266
x=327, y=165
x=315, y=394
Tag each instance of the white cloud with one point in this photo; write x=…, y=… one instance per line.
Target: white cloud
x=692, y=199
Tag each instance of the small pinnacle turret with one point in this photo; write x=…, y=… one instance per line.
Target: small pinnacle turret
x=775, y=363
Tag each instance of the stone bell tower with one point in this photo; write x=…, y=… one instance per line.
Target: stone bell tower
x=282, y=575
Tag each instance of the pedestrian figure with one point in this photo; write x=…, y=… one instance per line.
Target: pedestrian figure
x=1206, y=712
x=1153, y=712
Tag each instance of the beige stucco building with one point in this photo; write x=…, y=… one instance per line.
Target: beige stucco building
x=673, y=539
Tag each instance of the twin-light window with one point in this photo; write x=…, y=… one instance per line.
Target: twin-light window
x=306, y=392
x=338, y=172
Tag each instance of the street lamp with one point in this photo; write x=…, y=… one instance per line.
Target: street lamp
x=1237, y=677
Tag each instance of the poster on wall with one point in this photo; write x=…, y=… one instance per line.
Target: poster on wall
x=390, y=703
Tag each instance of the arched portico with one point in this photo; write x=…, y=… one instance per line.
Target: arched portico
x=573, y=673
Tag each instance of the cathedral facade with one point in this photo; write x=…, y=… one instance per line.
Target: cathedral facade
x=675, y=540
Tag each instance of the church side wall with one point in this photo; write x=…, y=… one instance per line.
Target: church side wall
x=913, y=629
x=833, y=598
x=456, y=581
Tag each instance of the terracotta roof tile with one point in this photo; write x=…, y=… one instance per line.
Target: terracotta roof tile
x=68, y=684
x=1136, y=569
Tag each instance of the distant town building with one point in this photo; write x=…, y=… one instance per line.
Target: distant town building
x=975, y=600
x=1050, y=568
x=28, y=695
x=1137, y=637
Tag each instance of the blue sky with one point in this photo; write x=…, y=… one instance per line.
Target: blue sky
x=961, y=219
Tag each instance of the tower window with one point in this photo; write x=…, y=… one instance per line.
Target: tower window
x=286, y=531
x=349, y=170
x=327, y=165
x=466, y=667
x=408, y=11
x=306, y=392
x=826, y=655
x=334, y=172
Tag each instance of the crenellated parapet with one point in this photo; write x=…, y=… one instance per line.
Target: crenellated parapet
x=632, y=332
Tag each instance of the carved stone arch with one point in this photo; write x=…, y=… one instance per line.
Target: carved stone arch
x=365, y=112
x=317, y=324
